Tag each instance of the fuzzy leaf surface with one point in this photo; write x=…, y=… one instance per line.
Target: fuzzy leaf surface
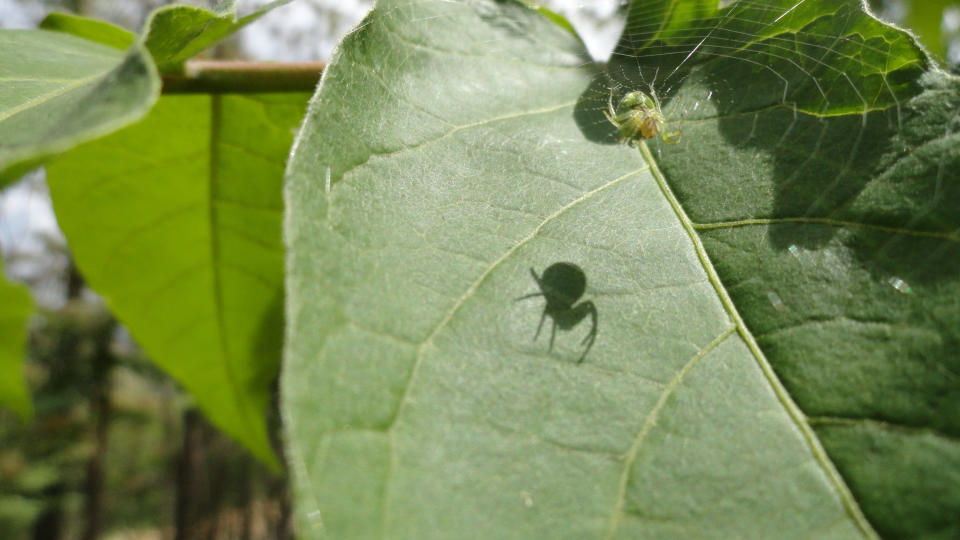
x=71, y=82
x=775, y=294
x=59, y=90
x=177, y=32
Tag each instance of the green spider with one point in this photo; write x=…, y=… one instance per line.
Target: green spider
x=639, y=117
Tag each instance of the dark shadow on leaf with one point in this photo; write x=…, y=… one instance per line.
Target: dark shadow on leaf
x=267, y=343
x=561, y=285
x=588, y=112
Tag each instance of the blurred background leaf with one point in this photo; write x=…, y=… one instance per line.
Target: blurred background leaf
x=176, y=222
x=16, y=306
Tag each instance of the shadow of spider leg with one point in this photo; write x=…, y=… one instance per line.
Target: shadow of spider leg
x=561, y=285
x=569, y=318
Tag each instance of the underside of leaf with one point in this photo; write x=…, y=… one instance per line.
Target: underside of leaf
x=422, y=195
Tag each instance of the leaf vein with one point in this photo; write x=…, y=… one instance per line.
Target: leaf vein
x=47, y=97
x=456, y=129
x=650, y=422
x=882, y=424
x=799, y=419
x=952, y=236
x=459, y=302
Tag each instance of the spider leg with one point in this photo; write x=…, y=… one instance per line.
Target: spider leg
x=535, y=276
x=671, y=137
x=540, y=326
x=553, y=335
x=592, y=335
x=610, y=112
x=611, y=118
x=531, y=295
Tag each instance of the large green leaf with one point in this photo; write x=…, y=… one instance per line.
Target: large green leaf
x=778, y=325
x=176, y=222
x=15, y=309
x=59, y=90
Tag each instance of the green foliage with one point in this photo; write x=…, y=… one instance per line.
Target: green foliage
x=42, y=462
x=176, y=222
x=43, y=465
x=839, y=262
x=927, y=18
x=66, y=87
x=15, y=309
x=191, y=261
x=175, y=33
x=89, y=29
x=776, y=293
x=60, y=90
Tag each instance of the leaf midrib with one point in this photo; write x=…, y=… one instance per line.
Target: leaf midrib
x=238, y=394
x=43, y=98
x=798, y=417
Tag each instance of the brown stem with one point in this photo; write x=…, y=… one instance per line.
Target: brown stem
x=225, y=77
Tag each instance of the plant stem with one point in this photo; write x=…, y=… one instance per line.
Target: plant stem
x=223, y=77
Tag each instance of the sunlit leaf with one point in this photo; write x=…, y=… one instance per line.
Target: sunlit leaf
x=89, y=29
x=775, y=293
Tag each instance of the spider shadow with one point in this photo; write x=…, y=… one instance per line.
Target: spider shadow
x=561, y=285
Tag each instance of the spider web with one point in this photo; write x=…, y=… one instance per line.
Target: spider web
x=772, y=52
x=788, y=77
x=750, y=56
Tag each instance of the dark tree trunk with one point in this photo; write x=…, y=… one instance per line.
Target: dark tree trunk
x=49, y=524
x=284, y=525
x=93, y=485
x=246, y=500
x=188, y=482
